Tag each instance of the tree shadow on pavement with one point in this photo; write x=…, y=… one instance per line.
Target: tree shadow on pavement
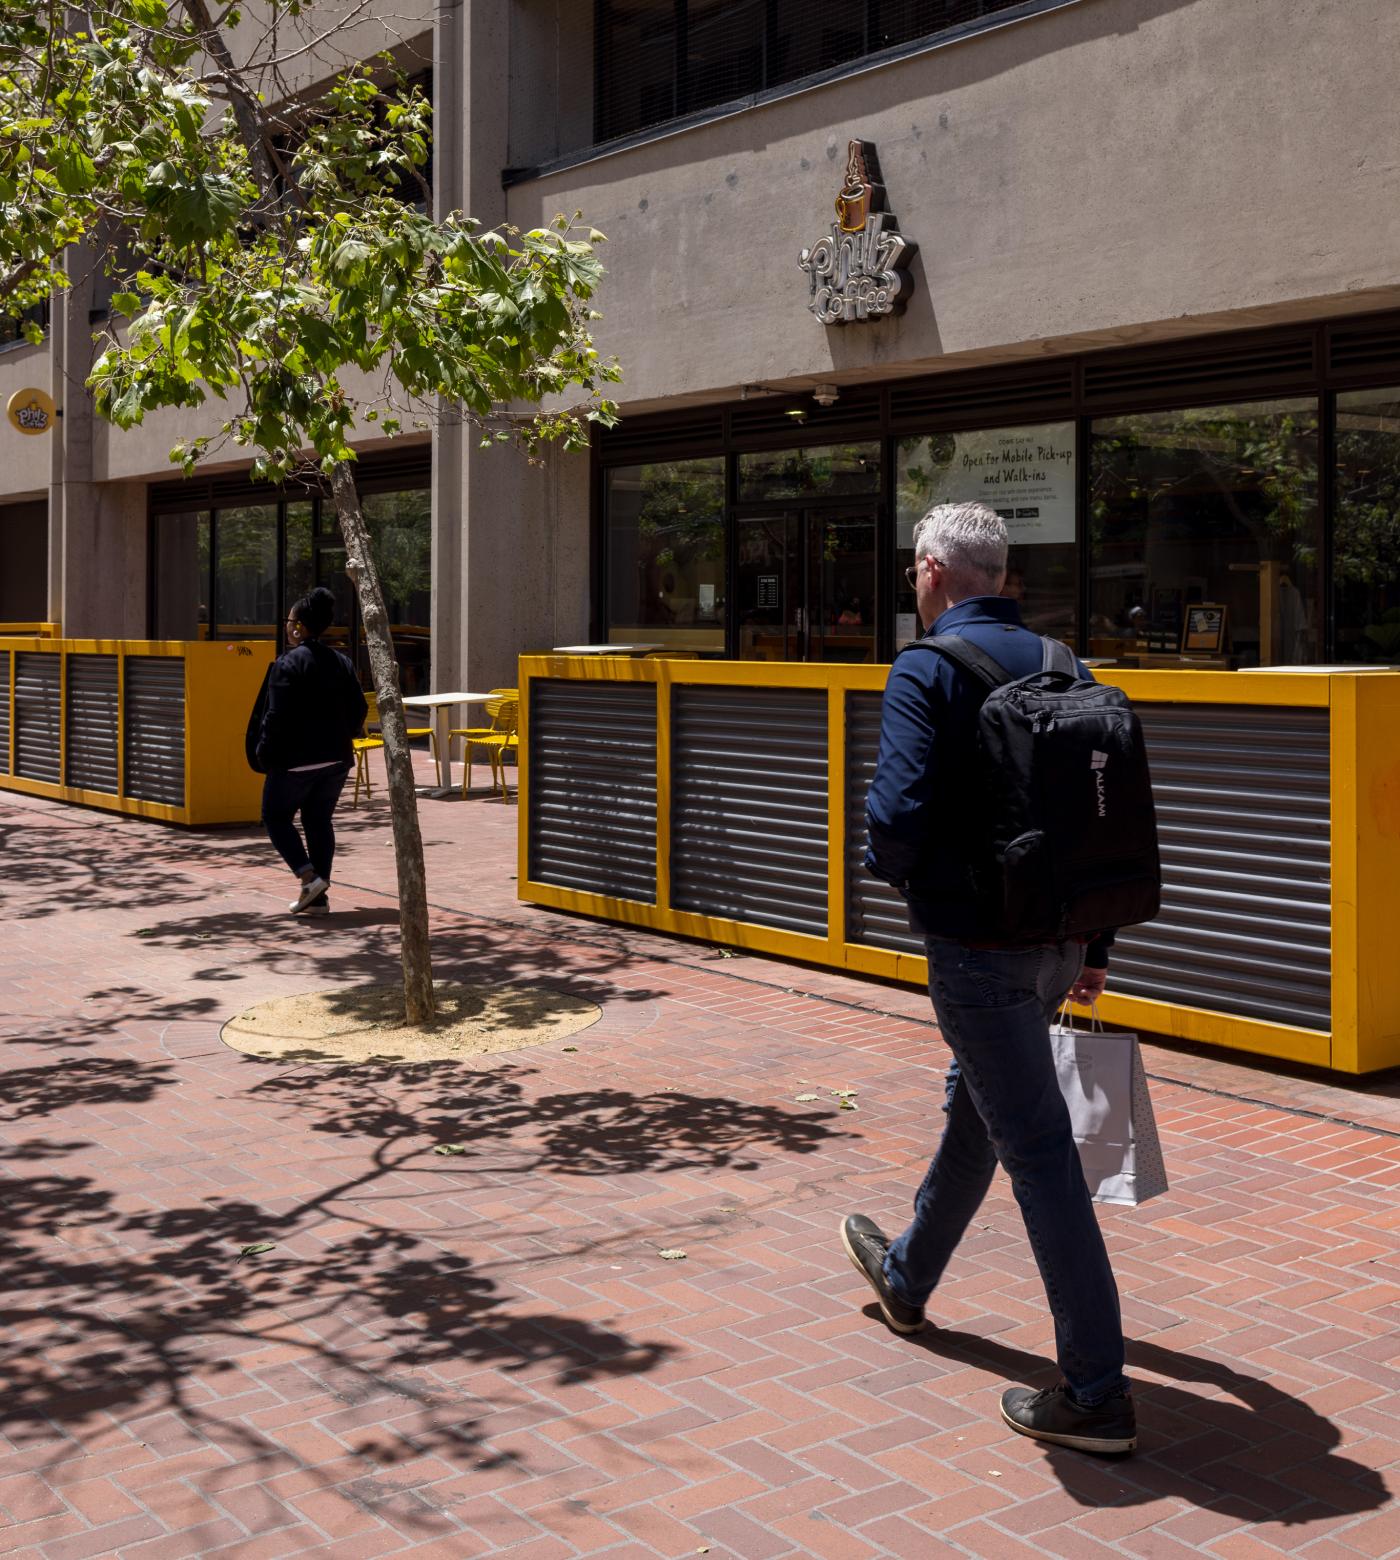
x=82, y=866
x=1256, y=1453
x=583, y=1132
x=378, y=1305
x=321, y=956
x=103, y=1013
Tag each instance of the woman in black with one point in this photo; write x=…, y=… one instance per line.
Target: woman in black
x=299, y=736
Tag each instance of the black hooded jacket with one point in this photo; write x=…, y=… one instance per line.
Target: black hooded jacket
x=308, y=710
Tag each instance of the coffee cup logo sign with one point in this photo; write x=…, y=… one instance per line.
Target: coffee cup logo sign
x=859, y=270
x=31, y=411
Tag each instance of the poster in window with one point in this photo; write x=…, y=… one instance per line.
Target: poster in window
x=1025, y=474
x=1205, y=628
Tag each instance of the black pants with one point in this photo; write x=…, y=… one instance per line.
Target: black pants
x=313, y=793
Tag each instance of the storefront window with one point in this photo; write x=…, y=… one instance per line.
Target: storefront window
x=823, y=471
x=400, y=526
x=245, y=572
x=1027, y=475
x=299, y=566
x=234, y=554
x=666, y=554
x=1206, y=536
x=1366, y=540
x=180, y=545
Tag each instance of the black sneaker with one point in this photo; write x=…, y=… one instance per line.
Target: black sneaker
x=866, y=1247
x=1053, y=1415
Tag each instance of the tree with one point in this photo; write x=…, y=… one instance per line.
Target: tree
x=264, y=252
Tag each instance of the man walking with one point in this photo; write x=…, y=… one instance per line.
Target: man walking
x=994, y=1002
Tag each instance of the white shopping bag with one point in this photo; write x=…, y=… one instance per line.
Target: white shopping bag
x=1104, y=1083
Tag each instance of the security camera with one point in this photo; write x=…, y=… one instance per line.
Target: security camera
x=826, y=395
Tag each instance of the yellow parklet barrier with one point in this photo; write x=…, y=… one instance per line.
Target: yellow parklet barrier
x=721, y=800
x=149, y=727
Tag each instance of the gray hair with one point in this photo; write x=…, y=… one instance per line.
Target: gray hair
x=969, y=539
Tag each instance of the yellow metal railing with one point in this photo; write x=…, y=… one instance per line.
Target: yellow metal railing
x=218, y=684
x=1363, y=715
x=29, y=630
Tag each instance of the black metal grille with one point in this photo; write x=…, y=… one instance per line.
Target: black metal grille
x=662, y=59
x=154, y=729
x=90, y=752
x=37, y=736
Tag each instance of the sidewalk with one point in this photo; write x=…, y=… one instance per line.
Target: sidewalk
x=483, y=1353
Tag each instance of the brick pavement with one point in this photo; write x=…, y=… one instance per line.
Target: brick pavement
x=484, y=1354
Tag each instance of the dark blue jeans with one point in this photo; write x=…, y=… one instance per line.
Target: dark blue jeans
x=313, y=793
x=995, y=1008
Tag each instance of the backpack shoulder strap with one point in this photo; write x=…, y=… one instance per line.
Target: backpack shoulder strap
x=1056, y=656
x=985, y=668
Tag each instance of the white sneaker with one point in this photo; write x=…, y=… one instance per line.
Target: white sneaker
x=313, y=888
x=321, y=907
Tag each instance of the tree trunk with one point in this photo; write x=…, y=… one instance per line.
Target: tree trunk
x=419, y=1007
x=245, y=110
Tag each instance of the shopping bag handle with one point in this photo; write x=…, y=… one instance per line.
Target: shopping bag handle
x=1066, y=1018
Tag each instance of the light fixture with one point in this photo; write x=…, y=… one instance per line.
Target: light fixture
x=826, y=395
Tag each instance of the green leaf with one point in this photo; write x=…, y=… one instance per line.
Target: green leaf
x=257, y=1248
x=73, y=168
x=450, y=1148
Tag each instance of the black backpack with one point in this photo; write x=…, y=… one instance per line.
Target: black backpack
x=1068, y=829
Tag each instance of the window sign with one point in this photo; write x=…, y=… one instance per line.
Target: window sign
x=1025, y=474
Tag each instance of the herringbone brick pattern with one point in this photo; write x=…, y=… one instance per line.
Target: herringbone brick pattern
x=483, y=1353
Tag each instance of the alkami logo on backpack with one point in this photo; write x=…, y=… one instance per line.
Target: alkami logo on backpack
x=1097, y=762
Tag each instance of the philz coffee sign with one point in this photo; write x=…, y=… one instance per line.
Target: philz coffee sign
x=859, y=270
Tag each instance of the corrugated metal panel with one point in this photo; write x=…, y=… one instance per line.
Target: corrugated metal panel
x=1244, y=812
x=37, y=738
x=749, y=805
x=4, y=712
x=153, y=729
x=90, y=753
x=592, y=779
x=1243, y=807
x=875, y=914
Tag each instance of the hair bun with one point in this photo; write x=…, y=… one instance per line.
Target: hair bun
x=315, y=611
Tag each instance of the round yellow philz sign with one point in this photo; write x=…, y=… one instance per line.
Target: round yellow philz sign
x=31, y=411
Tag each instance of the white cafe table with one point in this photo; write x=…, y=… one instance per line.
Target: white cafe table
x=605, y=649
x=442, y=705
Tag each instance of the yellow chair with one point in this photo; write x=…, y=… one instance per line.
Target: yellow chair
x=469, y=732
x=364, y=745
x=498, y=738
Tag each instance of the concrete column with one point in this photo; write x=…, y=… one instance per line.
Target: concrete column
x=97, y=531
x=105, y=589
x=448, y=504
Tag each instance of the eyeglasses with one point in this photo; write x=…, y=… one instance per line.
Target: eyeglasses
x=912, y=572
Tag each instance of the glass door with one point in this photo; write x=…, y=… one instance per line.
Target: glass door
x=805, y=586
x=768, y=588
x=840, y=615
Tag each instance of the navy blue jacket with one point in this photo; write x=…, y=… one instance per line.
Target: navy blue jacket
x=309, y=708
x=923, y=798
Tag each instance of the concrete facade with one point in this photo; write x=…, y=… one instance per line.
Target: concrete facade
x=1103, y=173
